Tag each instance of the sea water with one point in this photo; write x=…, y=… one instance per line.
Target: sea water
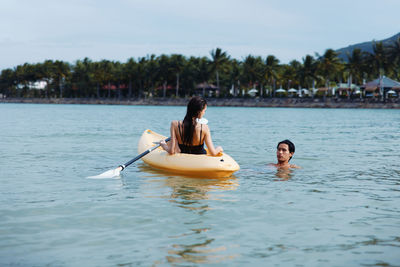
x=342, y=208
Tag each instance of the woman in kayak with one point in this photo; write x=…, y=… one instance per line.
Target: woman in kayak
x=284, y=153
x=188, y=136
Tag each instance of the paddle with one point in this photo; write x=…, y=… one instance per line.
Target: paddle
x=117, y=171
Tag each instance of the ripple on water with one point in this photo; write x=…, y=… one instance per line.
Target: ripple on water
x=340, y=209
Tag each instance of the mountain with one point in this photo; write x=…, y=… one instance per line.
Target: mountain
x=366, y=46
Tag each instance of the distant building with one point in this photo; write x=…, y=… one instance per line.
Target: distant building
x=206, y=89
x=38, y=85
x=381, y=86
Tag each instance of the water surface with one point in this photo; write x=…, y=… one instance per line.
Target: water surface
x=340, y=209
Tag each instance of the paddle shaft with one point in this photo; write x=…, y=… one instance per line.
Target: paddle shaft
x=142, y=155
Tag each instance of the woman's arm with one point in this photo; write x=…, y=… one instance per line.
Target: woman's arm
x=209, y=143
x=172, y=144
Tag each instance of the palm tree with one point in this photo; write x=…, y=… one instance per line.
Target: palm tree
x=288, y=75
x=107, y=70
x=355, y=65
x=235, y=75
x=7, y=81
x=129, y=70
x=201, y=70
x=163, y=72
x=329, y=65
x=82, y=76
x=297, y=68
x=394, y=56
x=48, y=73
x=100, y=73
x=378, y=59
x=308, y=71
x=151, y=72
x=271, y=71
x=97, y=76
x=252, y=70
x=177, y=65
x=23, y=75
x=219, y=59
x=190, y=74
x=117, y=76
x=61, y=72
x=141, y=75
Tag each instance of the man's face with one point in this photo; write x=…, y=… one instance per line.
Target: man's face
x=282, y=153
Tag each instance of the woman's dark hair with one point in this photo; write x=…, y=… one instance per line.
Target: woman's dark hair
x=194, y=107
x=290, y=145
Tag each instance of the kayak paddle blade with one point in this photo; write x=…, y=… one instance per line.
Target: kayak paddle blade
x=108, y=174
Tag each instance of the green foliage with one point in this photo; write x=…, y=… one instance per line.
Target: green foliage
x=176, y=75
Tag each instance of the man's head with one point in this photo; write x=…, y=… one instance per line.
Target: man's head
x=285, y=150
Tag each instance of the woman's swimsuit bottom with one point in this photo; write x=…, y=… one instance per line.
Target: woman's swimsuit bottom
x=191, y=149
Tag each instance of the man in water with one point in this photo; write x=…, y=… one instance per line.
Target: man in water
x=284, y=153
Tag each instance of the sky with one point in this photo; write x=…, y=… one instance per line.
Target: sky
x=32, y=31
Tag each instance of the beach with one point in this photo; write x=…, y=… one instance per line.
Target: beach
x=220, y=102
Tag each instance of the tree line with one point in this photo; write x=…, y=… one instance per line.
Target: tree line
x=177, y=75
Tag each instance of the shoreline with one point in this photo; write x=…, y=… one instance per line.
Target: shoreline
x=222, y=102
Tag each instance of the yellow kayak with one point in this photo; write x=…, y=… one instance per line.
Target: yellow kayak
x=206, y=166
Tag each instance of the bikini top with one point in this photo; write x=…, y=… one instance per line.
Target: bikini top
x=199, y=149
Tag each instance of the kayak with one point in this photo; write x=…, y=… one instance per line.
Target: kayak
x=206, y=166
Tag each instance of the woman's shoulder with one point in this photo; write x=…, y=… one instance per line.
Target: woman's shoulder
x=175, y=123
x=204, y=127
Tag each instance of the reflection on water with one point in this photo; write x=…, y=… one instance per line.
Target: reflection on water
x=194, y=195
x=270, y=171
x=189, y=188
x=284, y=174
x=197, y=253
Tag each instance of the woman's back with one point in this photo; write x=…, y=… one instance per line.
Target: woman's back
x=196, y=146
x=189, y=135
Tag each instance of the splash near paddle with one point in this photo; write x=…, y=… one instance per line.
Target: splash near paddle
x=117, y=171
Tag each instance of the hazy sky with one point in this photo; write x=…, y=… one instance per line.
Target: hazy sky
x=35, y=30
